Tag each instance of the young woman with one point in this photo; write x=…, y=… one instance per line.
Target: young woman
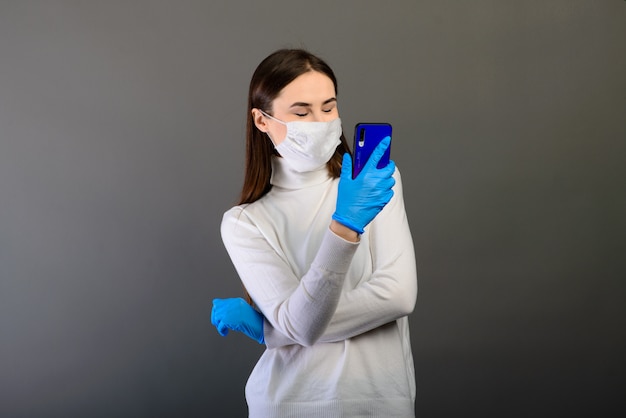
x=326, y=259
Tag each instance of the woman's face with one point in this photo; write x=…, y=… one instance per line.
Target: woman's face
x=310, y=97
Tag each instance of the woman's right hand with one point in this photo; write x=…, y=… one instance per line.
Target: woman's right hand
x=359, y=200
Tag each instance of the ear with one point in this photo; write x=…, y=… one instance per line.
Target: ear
x=259, y=120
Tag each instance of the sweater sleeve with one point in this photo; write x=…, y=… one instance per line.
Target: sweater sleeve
x=298, y=308
x=389, y=293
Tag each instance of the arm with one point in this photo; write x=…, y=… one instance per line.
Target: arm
x=302, y=309
x=390, y=293
x=299, y=309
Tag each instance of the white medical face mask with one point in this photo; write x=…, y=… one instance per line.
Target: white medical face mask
x=308, y=146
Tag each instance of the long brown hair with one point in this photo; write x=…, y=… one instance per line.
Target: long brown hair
x=270, y=77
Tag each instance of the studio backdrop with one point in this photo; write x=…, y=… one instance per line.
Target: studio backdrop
x=121, y=145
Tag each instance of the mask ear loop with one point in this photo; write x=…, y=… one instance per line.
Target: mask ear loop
x=274, y=119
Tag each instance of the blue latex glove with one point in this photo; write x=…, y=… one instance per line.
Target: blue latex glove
x=238, y=315
x=359, y=200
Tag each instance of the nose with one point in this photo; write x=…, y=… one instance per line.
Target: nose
x=316, y=117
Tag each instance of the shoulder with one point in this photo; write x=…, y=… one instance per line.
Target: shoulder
x=234, y=221
x=234, y=212
x=398, y=178
x=242, y=222
x=396, y=174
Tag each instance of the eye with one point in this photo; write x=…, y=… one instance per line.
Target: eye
x=301, y=114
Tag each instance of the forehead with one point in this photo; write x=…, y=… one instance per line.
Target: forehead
x=310, y=87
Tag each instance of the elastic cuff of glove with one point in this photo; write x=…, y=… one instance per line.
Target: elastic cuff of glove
x=348, y=224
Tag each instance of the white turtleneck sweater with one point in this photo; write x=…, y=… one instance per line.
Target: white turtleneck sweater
x=336, y=326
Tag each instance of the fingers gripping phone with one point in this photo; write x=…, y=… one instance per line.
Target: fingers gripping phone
x=366, y=137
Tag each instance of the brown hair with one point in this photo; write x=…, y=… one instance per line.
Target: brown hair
x=270, y=77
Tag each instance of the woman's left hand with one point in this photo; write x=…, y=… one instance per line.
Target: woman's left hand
x=238, y=315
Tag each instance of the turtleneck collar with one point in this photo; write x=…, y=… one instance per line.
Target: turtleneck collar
x=285, y=177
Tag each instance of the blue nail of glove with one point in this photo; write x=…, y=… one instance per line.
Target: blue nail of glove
x=238, y=315
x=359, y=200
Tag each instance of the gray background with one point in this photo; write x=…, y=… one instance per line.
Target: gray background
x=121, y=145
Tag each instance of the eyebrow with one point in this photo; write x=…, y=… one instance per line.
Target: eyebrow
x=303, y=104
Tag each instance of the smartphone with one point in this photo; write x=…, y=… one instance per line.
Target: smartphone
x=366, y=137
